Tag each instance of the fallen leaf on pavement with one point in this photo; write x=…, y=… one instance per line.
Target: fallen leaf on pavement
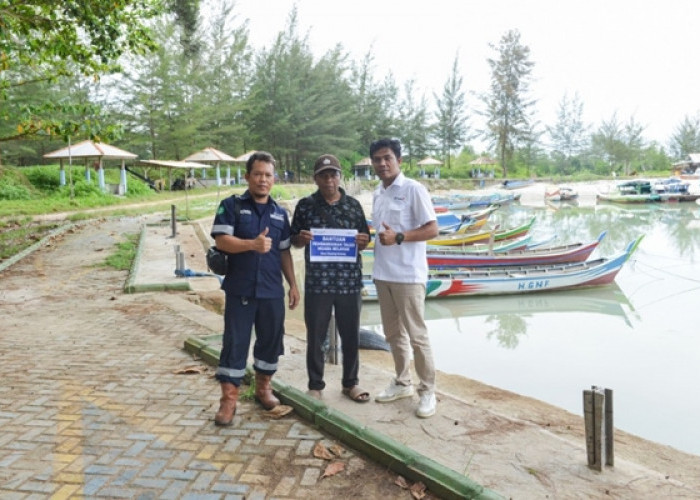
x=401, y=481
x=188, y=370
x=337, y=450
x=333, y=468
x=321, y=451
x=418, y=491
x=279, y=411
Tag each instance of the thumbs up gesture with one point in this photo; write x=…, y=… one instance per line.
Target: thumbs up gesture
x=262, y=243
x=387, y=236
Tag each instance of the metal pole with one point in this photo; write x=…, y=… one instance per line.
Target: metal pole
x=173, y=220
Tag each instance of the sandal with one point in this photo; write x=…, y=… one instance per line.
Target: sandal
x=356, y=393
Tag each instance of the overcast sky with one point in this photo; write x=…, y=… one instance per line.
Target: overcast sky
x=637, y=58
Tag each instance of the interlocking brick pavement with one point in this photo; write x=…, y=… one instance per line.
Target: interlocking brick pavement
x=90, y=406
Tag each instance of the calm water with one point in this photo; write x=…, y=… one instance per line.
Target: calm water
x=638, y=337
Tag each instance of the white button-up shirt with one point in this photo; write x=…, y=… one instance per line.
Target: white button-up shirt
x=403, y=206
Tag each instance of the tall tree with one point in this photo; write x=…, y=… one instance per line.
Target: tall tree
x=300, y=108
x=620, y=145
x=376, y=106
x=686, y=138
x=413, y=123
x=451, y=127
x=507, y=104
x=569, y=135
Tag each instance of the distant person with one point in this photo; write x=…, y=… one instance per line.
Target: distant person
x=404, y=218
x=254, y=230
x=331, y=285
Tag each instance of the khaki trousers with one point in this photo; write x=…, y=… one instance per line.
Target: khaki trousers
x=402, y=307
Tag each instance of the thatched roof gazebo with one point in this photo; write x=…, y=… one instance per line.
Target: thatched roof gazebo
x=363, y=168
x=430, y=161
x=98, y=152
x=215, y=157
x=480, y=161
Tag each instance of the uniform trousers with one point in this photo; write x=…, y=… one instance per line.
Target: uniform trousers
x=240, y=315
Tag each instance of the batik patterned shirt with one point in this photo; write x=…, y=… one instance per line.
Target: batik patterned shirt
x=314, y=212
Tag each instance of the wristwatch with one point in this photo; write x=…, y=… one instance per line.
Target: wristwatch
x=399, y=238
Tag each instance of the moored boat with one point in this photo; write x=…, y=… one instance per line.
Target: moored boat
x=482, y=236
x=520, y=279
x=573, y=252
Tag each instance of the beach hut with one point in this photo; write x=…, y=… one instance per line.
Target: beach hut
x=214, y=157
x=482, y=161
x=363, y=169
x=96, y=152
x=429, y=161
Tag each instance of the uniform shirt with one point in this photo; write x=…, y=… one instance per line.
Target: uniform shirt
x=347, y=213
x=254, y=274
x=403, y=206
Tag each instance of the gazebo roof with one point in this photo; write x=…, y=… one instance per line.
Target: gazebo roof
x=429, y=161
x=364, y=162
x=483, y=160
x=210, y=155
x=90, y=149
x=175, y=164
x=244, y=157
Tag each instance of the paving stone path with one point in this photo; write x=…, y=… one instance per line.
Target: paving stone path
x=91, y=406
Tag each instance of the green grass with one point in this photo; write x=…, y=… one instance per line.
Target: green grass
x=16, y=234
x=124, y=255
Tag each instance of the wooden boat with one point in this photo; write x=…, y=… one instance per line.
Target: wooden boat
x=518, y=243
x=673, y=189
x=560, y=193
x=573, y=252
x=475, y=199
x=519, y=279
x=634, y=191
x=482, y=236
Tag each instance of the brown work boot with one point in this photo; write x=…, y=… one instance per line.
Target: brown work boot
x=263, y=391
x=227, y=404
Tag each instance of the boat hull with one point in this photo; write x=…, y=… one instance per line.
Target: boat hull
x=519, y=279
x=575, y=252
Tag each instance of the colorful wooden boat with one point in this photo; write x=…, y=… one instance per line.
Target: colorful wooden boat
x=519, y=279
x=482, y=236
x=634, y=191
x=573, y=252
x=518, y=243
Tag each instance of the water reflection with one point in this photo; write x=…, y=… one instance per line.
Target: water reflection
x=508, y=315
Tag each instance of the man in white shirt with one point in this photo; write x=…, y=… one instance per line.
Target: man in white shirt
x=404, y=219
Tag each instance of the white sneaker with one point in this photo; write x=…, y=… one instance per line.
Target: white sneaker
x=394, y=392
x=427, y=405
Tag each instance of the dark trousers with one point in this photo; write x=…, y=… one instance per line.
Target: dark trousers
x=317, y=313
x=240, y=314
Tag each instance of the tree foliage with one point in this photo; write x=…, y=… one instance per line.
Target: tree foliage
x=42, y=41
x=686, y=137
x=301, y=108
x=569, y=135
x=451, y=127
x=508, y=107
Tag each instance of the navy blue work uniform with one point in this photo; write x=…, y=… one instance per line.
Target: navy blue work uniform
x=253, y=286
